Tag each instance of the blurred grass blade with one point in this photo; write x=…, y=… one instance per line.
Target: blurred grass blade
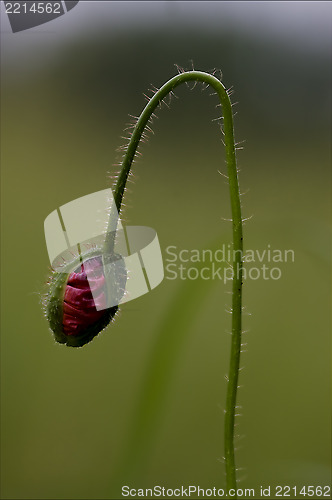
x=171, y=336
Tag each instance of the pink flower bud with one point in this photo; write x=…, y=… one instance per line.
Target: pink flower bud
x=76, y=304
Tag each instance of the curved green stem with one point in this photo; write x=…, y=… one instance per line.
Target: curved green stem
x=142, y=122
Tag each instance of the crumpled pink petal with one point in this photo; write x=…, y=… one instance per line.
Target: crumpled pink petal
x=79, y=306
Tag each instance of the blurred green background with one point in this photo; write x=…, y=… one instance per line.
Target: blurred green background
x=143, y=403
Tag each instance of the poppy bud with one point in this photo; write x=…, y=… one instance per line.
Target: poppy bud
x=78, y=300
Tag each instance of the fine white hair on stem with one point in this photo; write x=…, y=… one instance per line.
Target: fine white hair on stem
x=230, y=91
x=223, y=175
x=179, y=69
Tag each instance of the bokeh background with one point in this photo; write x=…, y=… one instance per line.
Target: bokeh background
x=142, y=405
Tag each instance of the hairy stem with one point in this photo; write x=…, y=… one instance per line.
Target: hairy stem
x=128, y=158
